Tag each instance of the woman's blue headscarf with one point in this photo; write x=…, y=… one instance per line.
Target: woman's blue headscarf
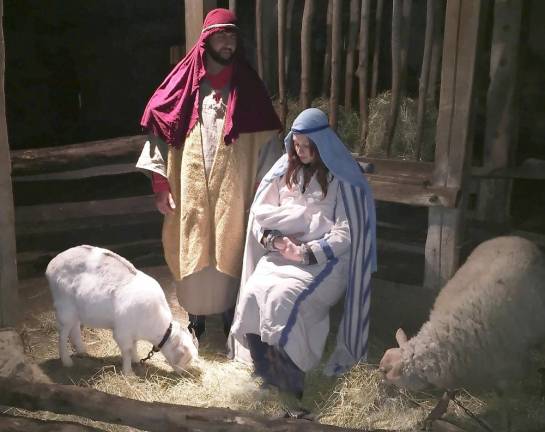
x=360, y=209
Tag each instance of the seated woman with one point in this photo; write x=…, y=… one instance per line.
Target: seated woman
x=311, y=239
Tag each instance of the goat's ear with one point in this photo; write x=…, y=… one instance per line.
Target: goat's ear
x=401, y=337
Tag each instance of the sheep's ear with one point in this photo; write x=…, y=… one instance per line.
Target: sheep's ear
x=401, y=337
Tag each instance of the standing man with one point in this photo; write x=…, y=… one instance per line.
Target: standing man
x=212, y=136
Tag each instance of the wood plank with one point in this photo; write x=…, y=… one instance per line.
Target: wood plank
x=100, y=406
x=531, y=169
x=8, y=264
x=74, y=210
x=420, y=170
x=411, y=194
x=60, y=226
x=76, y=156
x=101, y=170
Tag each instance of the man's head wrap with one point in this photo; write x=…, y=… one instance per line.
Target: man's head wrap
x=173, y=109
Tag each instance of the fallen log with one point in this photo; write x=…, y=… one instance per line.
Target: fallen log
x=157, y=416
x=24, y=424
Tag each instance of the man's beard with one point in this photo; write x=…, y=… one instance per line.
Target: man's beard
x=216, y=56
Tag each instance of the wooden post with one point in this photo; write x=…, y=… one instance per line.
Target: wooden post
x=282, y=97
x=353, y=29
x=8, y=261
x=326, y=73
x=494, y=200
x=306, y=58
x=395, y=100
x=376, y=49
x=336, y=49
x=195, y=11
x=289, y=31
x=453, y=138
x=233, y=6
x=424, y=75
x=436, y=51
x=363, y=71
x=270, y=41
x=259, y=36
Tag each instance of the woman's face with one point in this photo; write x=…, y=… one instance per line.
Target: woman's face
x=303, y=148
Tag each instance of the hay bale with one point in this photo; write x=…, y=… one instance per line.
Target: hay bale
x=404, y=144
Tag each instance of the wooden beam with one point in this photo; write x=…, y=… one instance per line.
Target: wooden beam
x=98, y=171
x=75, y=156
x=391, y=190
x=8, y=260
x=530, y=169
x=494, y=199
x=195, y=12
x=453, y=137
x=62, y=211
x=160, y=417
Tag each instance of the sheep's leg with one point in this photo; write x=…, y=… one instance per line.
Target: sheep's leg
x=134, y=352
x=64, y=354
x=75, y=338
x=125, y=346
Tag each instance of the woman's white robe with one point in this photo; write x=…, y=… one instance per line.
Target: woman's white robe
x=284, y=302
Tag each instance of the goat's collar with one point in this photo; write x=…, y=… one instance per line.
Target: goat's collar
x=164, y=340
x=158, y=347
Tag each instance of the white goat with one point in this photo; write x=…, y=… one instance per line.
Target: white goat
x=482, y=324
x=98, y=288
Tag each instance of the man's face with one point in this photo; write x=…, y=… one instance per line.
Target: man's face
x=221, y=46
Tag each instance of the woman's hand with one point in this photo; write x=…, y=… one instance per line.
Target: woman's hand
x=288, y=249
x=164, y=202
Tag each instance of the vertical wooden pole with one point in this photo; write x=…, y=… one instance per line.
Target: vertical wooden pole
x=363, y=71
x=501, y=111
x=336, y=50
x=436, y=51
x=289, y=31
x=306, y=58
x=351, y=53
x=195, y=11
x=424, y=75
x=397, y=28
x=270, y=41
x=233, y=6
x=259, y=36
x=405, y=37
x=326, y=73
x=282, y=97
x=453, y=138
x=8, y=257
x=376, y=49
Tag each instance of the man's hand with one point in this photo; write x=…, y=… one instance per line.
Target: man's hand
x=288, y=249
x=164, y=202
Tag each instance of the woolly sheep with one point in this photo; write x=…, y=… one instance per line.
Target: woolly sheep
x=482, y=324
x=97, y=288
